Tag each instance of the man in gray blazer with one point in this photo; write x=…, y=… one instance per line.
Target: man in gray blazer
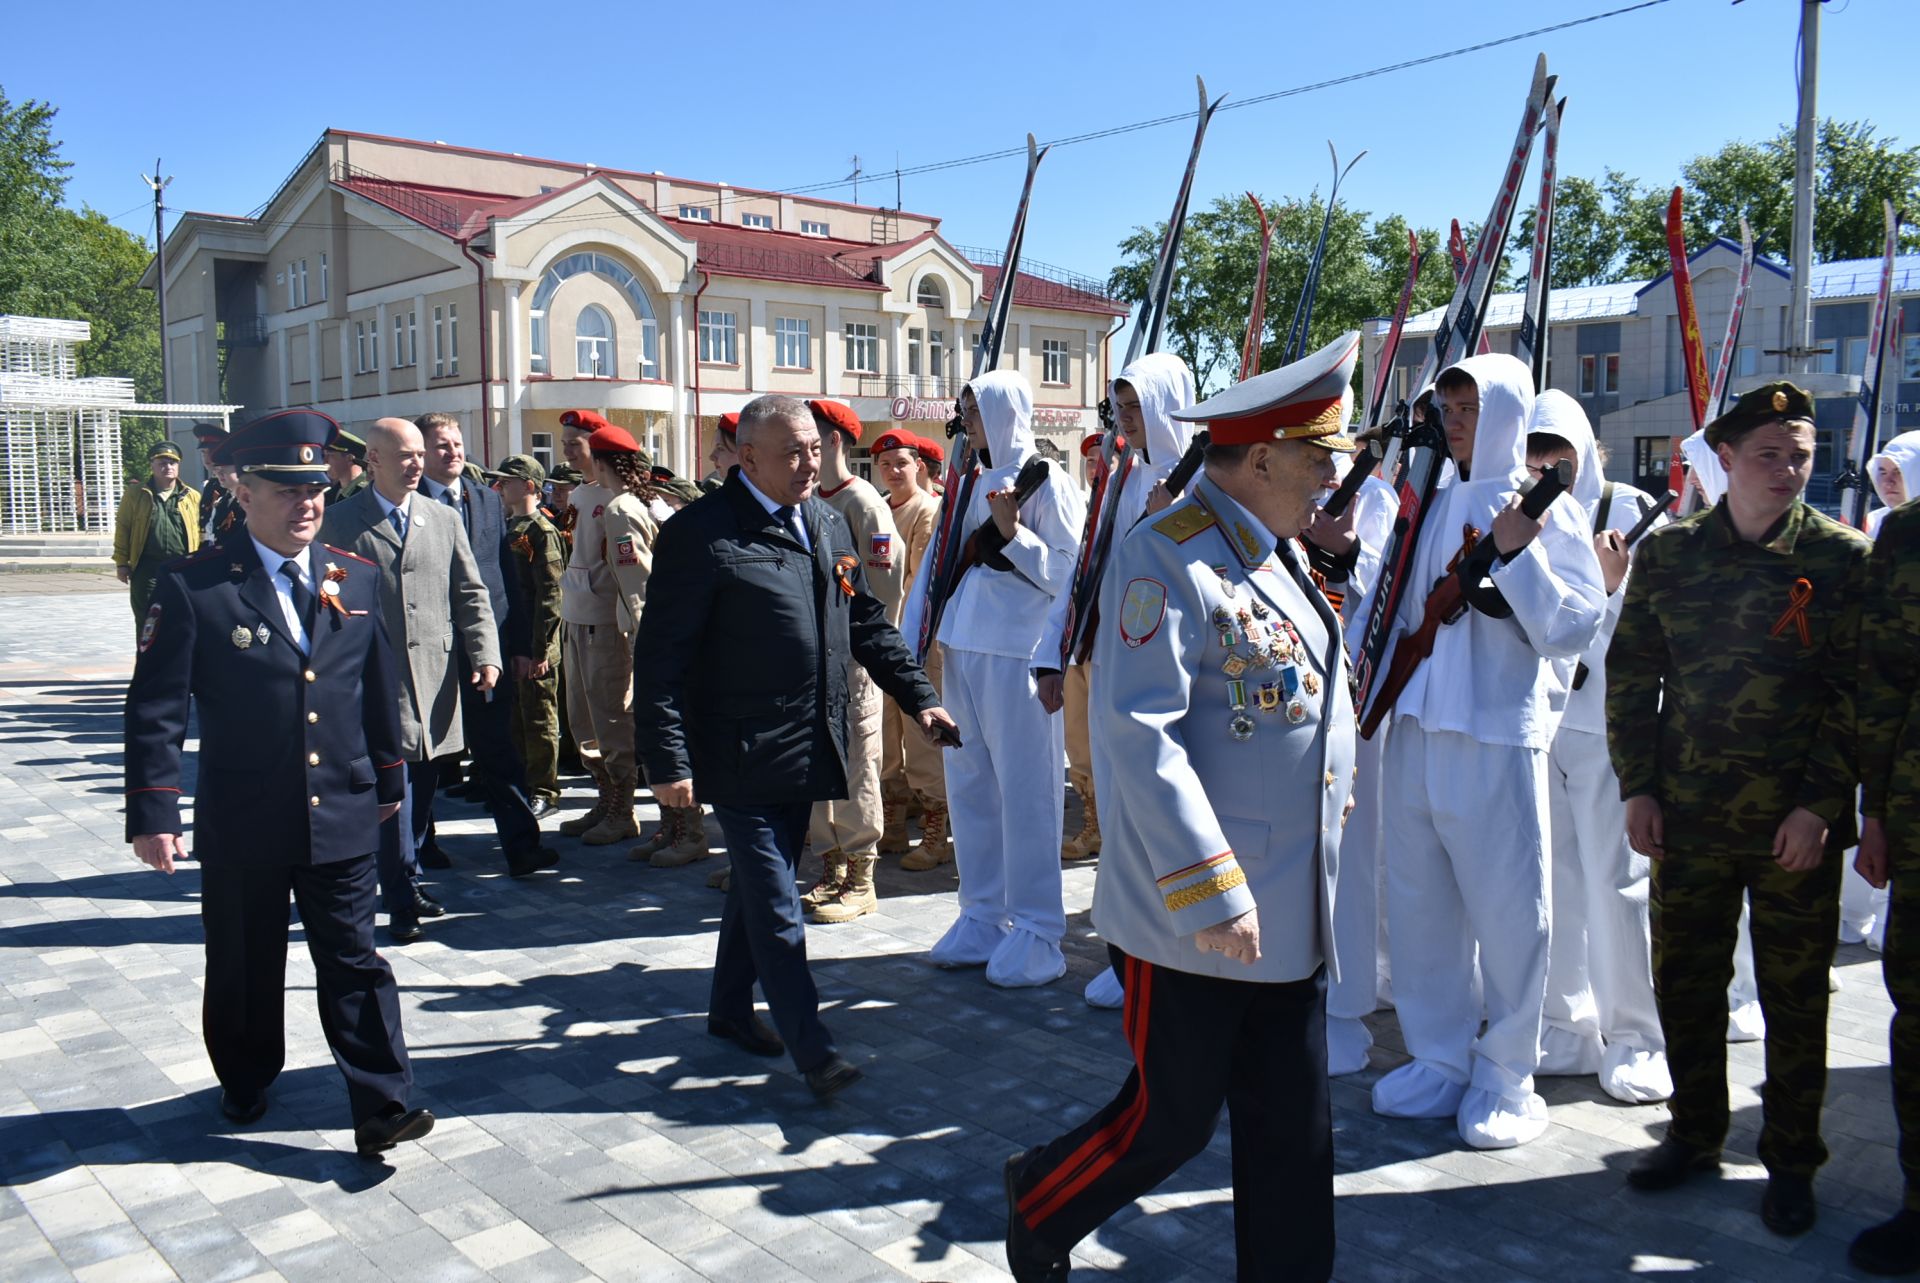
x=432, y=598
x=1219, y=692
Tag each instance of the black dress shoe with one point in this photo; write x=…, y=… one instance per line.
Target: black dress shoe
x=385, y=1130
x=1891, y=1247
x=834, y=1075
x=432, y=857
x=1787, y=1208
x=541, y=807
x=524, y=864
x=425, y=905
x=1030, y=1261
x=403, y=932
x=1670, y=1163
x=240, y=1110
x=756, y=1036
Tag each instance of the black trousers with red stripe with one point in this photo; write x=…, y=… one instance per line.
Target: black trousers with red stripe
x=1199, y=1043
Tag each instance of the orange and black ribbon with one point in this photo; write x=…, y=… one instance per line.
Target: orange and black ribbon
x=843, y=573
x=1798, y=598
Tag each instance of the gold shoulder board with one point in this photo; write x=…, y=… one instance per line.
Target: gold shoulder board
x=1184, y=523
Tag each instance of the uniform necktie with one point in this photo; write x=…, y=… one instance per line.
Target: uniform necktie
x=303, y=600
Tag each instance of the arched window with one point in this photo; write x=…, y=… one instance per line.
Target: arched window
x=615, y=274
x=593, y=356
x=930, y=296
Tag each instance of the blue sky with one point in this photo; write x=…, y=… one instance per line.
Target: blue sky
x=745, y=94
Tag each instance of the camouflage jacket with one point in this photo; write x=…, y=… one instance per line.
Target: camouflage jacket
x=1731, y=677
x=1890, y=671
x=536, y=555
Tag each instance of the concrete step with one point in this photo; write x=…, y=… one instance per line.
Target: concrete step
x=65, y=546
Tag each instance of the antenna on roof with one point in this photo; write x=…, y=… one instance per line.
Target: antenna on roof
x=854, y=177
x=899, y=202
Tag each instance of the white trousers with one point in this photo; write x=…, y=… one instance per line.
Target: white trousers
x=1466, y=843
x=1599, y=967
x=1006, y=796
x=1358, y=937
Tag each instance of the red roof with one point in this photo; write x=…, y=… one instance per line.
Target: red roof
x=756, y=253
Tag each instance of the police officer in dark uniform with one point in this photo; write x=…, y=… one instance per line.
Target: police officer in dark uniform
x=279, y=642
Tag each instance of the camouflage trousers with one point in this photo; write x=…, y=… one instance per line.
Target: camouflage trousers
x=1900, y=963
x=1796, y=920
x=536, y=732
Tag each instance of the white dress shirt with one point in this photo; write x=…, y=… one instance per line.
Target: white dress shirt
x=296, y=627
x=795, y=522
x=404, y=507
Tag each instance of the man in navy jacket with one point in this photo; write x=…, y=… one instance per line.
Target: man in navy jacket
x=742, y=687
x=278, y=642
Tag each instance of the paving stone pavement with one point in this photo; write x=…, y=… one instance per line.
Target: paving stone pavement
x=590, y=1129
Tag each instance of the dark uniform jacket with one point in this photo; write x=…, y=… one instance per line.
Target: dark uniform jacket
x=297, y=753
x=740, y=681
x=1890, y=677
x=1719, y=705
x=485, y=519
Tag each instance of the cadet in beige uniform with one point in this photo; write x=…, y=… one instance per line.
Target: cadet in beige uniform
x=847, y=833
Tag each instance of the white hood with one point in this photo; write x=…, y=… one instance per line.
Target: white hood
x=1556, y=412
x=1707, y=468
x=1006, y=413
x=1903, y=450
x=1164, y=384
x=1506, y=408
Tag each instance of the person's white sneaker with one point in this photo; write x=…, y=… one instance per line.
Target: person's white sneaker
x=1491, y=1121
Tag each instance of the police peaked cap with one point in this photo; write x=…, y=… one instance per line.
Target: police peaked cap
x=287, y=446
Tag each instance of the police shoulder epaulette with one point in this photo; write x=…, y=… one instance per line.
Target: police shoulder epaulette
x=1183, y=524
x=351, y=555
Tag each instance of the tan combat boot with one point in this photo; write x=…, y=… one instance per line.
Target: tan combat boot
x=832, y=879
x=857, y=896
x=618, y=824
x=581, y=823
x=893, y=836
x=936, y=844
x=689, y=839
x=1087, y=841
x=661, y=838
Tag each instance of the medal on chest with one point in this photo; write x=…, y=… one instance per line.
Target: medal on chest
x=1257, y=639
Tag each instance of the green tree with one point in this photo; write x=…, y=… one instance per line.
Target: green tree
x=1361, y=277
x=34, y=264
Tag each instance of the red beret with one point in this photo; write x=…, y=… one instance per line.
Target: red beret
x=1089, y=444
x=930, y=450
x=894, y=439
x=730, y=424
x=837, y=414
x=585, y=420
x=608, y=439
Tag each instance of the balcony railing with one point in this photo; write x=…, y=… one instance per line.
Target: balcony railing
x=400, y=198
x=918, y=386
x=244, y=331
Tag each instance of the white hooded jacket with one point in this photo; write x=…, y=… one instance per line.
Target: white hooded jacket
x=1164, y=384
x=1489, y=678
x=1002, y=612
x=1904, y=452
x=1556, y=412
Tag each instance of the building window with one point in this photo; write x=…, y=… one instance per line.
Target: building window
x=649, y=349
x=699, y=213
x=808, y=227
x=593, y=344
x=1056, y=357
x=439, y=342
x=1600, y=374
x=541, y=448
x=1746, y=360
x=323, y=278
x=366, y=347
x=453, y=339
x=937, y=353
x=929, y=295
x=297, y=284
x=1651, y=456
x=719, y=337
x=916, y=340
x=406, y=340
x=762, y=221
x=615, y=274
x=863, y=348
x=303, y=282
x=792, y=343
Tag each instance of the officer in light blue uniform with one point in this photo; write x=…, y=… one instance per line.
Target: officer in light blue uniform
x=1222, y=704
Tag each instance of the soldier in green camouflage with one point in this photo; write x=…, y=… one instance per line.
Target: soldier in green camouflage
x=346, y=457
x=536, y=556
x=1890, y=845
x=1730, y=707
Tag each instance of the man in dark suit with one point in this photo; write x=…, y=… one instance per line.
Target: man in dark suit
x=742, y=687
x=281, y=646
x=498, y=772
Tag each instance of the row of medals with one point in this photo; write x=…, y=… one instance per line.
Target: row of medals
x=1269, y=645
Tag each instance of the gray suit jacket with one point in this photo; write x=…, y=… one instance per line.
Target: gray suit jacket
x=429, y=588
x=1203, y=820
